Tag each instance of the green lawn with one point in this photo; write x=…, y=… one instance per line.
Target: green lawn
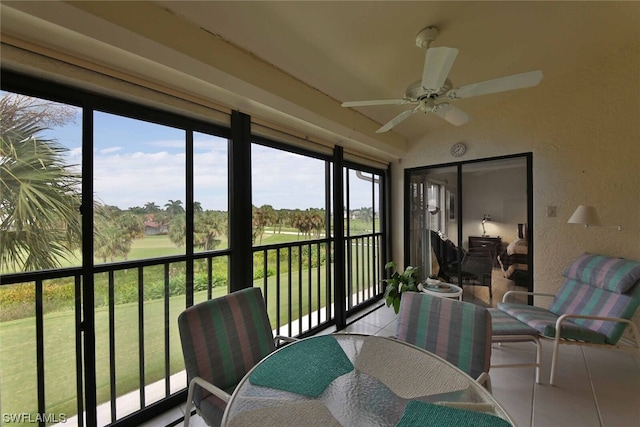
x=18, y=391
x=161, y=245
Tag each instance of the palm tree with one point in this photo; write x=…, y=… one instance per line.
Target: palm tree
x=110, y=239
x=132, y=224
x=40, y=196
x=174, y=207
x=177, y=229
x=262, y=216
x=114, y=231
x=151, y=207
x=208, y=226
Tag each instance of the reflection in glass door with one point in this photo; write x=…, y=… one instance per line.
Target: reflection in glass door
x=494, y=210
x=432, y=220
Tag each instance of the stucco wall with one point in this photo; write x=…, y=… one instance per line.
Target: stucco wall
x=584, y=131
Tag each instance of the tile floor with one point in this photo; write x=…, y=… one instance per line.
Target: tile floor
x=595, y=387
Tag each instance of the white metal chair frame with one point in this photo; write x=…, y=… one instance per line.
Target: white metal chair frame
x=499, y=339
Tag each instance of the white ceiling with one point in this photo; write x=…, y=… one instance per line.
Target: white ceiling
x=319, y=54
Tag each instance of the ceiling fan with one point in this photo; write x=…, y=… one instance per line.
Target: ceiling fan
x=435, y=86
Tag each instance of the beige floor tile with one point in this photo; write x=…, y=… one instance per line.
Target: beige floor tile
x=381, y=316
x=362, y=327
x=522, y=352
x=513, y=388
x=387, y=331
x=616, y=382
x=570, y=402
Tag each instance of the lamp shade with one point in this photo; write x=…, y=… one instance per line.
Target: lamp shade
x=586, y=215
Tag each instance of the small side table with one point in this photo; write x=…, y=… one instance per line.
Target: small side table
x=455, y=291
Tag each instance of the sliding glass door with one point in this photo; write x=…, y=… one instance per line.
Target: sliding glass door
x=470, y=224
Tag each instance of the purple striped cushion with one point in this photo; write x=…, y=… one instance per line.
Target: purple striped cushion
x=613, y=274
x=544, y=321
x=457, y=331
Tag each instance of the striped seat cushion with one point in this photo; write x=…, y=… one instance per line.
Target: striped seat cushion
x=579, y=298
x=503, y=324
x=457, y=331
x=544, y=321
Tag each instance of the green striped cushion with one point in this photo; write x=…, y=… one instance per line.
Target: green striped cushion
x=613, y=274
x=457, y=331
x=222, y=339
x=579, y=298
x=544, y=321
x=503, y=324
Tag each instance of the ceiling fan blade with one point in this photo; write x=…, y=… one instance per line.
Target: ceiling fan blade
x=397, y=119
x=452, y=114
x=517, y=81
x=398, y=101
x=437, y=64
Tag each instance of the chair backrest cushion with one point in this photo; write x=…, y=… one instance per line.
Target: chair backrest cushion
x=223, y=338
x=609, y=273
x=457, y=331
x=586, y=291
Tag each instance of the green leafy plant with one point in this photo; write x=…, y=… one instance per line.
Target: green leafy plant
x=398, y=283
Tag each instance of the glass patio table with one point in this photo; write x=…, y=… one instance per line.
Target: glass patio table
x=359, y=380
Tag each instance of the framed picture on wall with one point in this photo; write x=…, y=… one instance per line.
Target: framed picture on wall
x=451, y=205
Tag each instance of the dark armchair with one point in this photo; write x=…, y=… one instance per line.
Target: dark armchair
x=446, y=254
x=476, y=268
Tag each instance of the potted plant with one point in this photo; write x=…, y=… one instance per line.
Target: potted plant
x=407, y=281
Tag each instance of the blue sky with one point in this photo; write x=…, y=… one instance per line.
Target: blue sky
x=137, y=162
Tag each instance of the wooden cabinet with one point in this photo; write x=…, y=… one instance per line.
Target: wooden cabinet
x=494, y=244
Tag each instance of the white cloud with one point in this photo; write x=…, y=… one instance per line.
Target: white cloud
x=281, y=179
x=109, y=150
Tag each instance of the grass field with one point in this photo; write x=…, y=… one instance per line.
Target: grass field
x=159, y=246
x=18, y=391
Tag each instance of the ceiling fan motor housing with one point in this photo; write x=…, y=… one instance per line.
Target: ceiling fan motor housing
x=415, y=90
x=426, y=36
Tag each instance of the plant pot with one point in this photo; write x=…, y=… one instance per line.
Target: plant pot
x=433, y=282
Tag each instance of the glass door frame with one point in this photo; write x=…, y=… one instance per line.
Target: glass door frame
x=408, y=172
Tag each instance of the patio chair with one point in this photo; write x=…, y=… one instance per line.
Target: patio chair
x=596, y=303
x=459, y=332
x=478, y=261
x=222, y=339
x=477, y=267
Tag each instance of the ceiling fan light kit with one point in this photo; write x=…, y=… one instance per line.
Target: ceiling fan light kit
x=435, y=85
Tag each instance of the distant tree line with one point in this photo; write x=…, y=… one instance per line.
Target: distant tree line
x=40, y=196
